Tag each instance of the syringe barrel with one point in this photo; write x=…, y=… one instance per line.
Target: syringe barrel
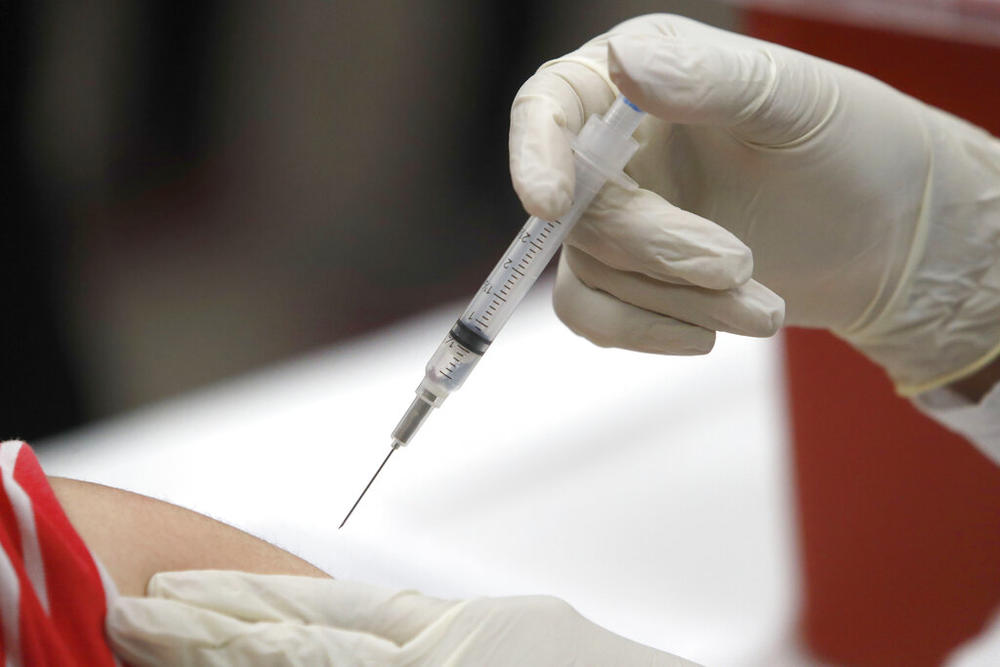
x=448, y=368
x=505, y=287
x=602, y=149
x=525, y=259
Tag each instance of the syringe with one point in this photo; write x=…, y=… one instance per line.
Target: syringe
x=601, y=150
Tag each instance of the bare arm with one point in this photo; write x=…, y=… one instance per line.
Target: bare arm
x=136, y=536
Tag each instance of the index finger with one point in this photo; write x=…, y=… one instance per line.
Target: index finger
x=396, y=615
x=150, y=631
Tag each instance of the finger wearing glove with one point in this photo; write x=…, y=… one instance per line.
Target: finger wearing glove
x=217, y=617
x=870, y=213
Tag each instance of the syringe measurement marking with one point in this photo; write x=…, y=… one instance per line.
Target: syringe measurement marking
x=452, y=363
x=603, y=145
x=534, y=248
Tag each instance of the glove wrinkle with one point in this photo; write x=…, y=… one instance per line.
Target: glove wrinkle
x=609, y=322
x=749, y=310
x=639, y=231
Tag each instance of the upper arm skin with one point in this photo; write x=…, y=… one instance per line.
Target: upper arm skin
x=136, y=536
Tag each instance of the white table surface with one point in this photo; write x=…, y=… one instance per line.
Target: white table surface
x=650, y=492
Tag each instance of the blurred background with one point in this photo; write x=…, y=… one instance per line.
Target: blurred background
x=199, y=190
x=204, y=188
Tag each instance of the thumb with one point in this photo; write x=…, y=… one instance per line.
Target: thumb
x=765, y=94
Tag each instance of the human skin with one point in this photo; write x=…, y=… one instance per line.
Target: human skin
x=135, y=537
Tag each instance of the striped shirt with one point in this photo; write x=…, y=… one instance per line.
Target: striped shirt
x=53, y=592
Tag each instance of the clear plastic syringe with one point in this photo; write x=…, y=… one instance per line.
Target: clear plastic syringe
x=602, y=149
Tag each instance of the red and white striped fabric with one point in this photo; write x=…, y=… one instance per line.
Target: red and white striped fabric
x=53, y=593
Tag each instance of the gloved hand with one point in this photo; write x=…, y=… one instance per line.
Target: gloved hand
x=232, y=618
x=868, y=212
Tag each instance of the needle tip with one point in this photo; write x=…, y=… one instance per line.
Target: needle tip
x=395, y=445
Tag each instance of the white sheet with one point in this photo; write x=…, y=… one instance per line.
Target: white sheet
x=650, y=492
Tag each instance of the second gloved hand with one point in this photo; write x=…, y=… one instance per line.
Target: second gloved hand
x=868, y=212
x=234, y=618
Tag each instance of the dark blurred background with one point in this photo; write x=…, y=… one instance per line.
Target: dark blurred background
x=199, y=189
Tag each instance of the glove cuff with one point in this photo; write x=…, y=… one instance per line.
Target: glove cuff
x=943, y=322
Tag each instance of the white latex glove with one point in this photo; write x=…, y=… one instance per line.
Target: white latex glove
x=232, y=618
x=870, y=213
